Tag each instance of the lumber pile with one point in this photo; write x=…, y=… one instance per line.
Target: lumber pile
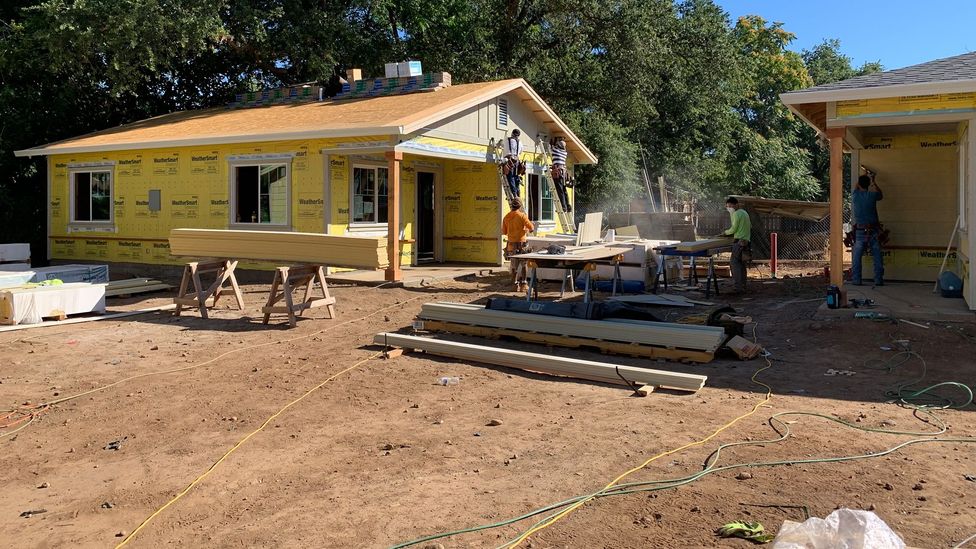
x=132, y=286
x=353, y=252
x=547, y=364
x=630, y=337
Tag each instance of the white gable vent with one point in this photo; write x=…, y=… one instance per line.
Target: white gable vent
x=502, y=112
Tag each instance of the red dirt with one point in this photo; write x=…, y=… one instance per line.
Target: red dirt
x=384, y=454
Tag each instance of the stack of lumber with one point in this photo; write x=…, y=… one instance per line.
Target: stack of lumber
x=702, y=245
x=131, y=286
x=629, y=337
x=353, y=252
x=547, y=364
x=28, y=305
x=372, y=87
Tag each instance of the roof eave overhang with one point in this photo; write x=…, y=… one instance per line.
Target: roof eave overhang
x=879, y=92
x=217, y=140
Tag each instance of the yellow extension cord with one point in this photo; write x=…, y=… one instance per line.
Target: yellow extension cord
x=240, y=443
x=769, y=394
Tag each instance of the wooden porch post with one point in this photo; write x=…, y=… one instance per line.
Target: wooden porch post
x=836, y=136
x=393, y=273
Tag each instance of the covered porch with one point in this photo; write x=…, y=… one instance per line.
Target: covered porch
x=912, y=130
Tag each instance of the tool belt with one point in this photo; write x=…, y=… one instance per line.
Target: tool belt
x=871, y=230
x=558, y=172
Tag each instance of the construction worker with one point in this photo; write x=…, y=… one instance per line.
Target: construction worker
x=512, y=165
x=515, y=227
x=741, y=232
x=560, y=176
x=867, y=228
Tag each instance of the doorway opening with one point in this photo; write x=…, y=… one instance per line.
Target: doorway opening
x=425, y=217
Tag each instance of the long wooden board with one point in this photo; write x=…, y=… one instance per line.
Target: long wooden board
x=312, y=248
x=582, y=369
x=609, y=347
x=658, y=334
x=701, y=245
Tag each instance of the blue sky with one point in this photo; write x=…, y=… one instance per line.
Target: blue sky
x=896, y=32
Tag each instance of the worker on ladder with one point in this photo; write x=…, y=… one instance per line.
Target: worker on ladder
x=513, y=166
x=560, y=176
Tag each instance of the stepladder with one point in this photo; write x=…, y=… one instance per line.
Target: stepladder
x=287, y=281
x=200, y=297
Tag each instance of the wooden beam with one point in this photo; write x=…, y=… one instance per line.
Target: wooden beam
x=314, y=248
x=836, y=136
x=393, y=272
x=547, y=364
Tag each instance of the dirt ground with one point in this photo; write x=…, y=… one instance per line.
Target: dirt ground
x=384, y=454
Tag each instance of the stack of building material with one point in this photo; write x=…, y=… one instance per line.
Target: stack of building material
x=28, y=305
x=15, y=257
x=630, y=337
x=132, y=286
x=373, y=87
x=95, y=274
x=313, y=248
x=291, y=94
x=13, y=279
x=548, y=364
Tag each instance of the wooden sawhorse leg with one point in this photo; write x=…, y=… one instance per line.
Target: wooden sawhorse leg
x=289, y=279
x=198, y=296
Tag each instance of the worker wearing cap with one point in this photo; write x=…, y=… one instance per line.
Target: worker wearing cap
x=741, y=232
x=515, y=227
x=513, y=152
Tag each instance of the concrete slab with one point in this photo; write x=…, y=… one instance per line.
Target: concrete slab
x=414, y=276
x=906, y=300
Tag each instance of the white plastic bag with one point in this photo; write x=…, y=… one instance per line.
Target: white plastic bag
x=842, y=529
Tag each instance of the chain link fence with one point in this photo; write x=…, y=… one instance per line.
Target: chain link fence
x=798, y=239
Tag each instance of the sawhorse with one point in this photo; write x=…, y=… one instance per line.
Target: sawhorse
x=289, y=279
x=198, y=296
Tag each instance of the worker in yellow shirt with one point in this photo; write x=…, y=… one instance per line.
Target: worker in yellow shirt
x=515, y=227
x=741, y=232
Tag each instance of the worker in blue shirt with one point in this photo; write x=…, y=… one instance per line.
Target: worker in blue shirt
x=867, y=228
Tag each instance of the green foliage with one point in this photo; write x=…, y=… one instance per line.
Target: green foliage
x=674, y=78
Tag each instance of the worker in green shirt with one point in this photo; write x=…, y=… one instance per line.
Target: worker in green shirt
x=741, y=232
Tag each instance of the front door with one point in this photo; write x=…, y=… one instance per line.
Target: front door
x=425, y=216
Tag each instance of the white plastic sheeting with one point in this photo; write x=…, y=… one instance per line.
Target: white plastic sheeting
x=842, y=529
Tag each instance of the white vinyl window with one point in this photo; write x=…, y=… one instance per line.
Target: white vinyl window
x=370, y=188
x=260, y=194
x=91, y=196
x=540, y=200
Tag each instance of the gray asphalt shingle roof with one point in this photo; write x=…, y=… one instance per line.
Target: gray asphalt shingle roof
x=959, y=67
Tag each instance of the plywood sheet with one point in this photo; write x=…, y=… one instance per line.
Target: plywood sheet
x=590, y=229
